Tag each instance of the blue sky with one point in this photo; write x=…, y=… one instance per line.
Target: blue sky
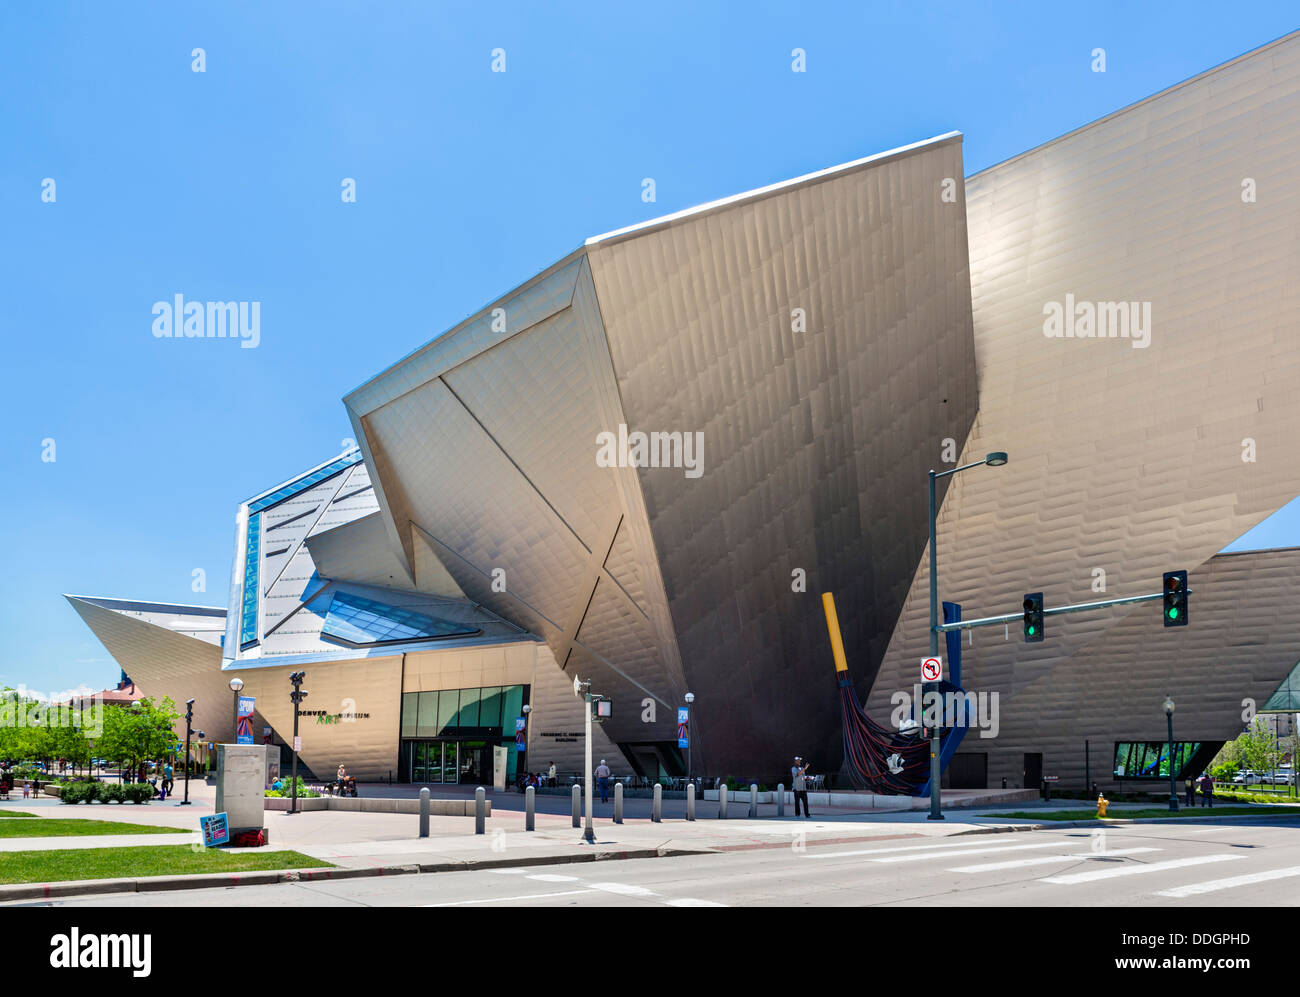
x=225, y=185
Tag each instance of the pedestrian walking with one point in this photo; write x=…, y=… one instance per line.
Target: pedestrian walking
x=602, y=777
x=799, y=779
x=1207, y=791
x=1191, y=791
x=167, y=777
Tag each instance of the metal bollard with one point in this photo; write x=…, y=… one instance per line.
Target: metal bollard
x=577, y=805
x=657, y=808
x=722, y=801
x=424, y=813
x=753, y=799
x=530, y=809
x=780, y=799
x=618, y=803
x=690, y=801
x=480, y=811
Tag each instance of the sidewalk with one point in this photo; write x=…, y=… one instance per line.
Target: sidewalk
x=361, y=844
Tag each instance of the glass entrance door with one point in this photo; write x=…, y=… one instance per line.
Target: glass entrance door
x=450, y=767
x=434, y=761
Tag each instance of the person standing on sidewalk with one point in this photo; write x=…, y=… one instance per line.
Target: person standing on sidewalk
x=1191, y=791
x=602, y=776
x=1207, y=791
x=800, y=782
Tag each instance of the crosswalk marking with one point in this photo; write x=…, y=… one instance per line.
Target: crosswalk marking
x=1131, y=870
x=956, y=852
x=1048, y=859
x=623, y=889
x=952, y=847
x=548, y=877
x=1214, y=885
x=689, y=902
x=503, y=900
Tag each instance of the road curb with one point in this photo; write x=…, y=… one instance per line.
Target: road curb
x=203, y=881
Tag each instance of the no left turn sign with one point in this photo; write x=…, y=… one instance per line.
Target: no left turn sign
x=931, y=669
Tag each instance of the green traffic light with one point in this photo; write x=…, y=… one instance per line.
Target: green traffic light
x=1031, y=631
x=1173, y=612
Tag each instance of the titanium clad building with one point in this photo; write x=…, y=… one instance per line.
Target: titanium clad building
x=642, y=466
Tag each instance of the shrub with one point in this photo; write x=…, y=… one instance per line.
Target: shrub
x=137, y=792
x=112, y=792
x=78, y=792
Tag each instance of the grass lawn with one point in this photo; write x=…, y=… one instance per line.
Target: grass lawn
x=59, y=827
x=142, y=861
x=14, y=813
x=1259, y=811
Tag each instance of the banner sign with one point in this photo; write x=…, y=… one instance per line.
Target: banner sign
x=521, y=734
x=244, y=721
x=683, y=726
x=216, y=830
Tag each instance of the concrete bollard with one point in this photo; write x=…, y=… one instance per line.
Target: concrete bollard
x=690, y=801
x=780, y=799
x=618, y=803
x=480, y=811
x=530, y=809
x=424, y=813
x=753, y=800
x=722, y=801
x=657, y=808
x=577, y=805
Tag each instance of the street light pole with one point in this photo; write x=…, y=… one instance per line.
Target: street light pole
x=588, y=833
x=690, y=702
x=1173, y=792
x=236, y=687
x=189, y=729
x=996, y=459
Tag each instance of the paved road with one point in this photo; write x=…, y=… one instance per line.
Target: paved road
x=1137, y=865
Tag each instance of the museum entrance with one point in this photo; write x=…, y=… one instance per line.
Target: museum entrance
x=449, y=761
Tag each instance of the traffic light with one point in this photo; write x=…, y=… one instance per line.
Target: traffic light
x=1175, y=599
x=1033, y=617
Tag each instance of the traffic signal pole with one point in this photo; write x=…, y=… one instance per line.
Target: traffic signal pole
x=935, y=812
x=1078, y=607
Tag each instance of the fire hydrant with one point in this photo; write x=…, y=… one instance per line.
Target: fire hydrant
x=1102, y=804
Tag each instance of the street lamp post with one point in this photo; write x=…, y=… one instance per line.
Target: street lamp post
x=1169, y=716
x=297, y=696
x=236, y=687
x=995, y=459
x=189, y=729
x=690, y=701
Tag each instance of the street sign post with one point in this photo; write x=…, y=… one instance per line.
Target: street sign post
x=931, y=668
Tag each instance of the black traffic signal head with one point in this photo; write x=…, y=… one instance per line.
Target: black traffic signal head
x=1033, y=617
x=296, y=678
x=1175, y=605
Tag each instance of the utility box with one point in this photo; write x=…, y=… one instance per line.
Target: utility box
x=241, y=785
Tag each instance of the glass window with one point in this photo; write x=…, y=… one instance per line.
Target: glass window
x=352, y=619
x=410, y=701
x=428, y=722
x=448, y=706
x=490, y=710
x=468, y=715
x=513, y=701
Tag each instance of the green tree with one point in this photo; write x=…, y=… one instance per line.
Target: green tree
x=135, y=734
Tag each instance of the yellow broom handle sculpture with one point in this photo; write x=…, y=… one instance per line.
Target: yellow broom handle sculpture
x=833, y=625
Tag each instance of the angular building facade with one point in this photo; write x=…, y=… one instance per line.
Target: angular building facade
x=641, y=467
